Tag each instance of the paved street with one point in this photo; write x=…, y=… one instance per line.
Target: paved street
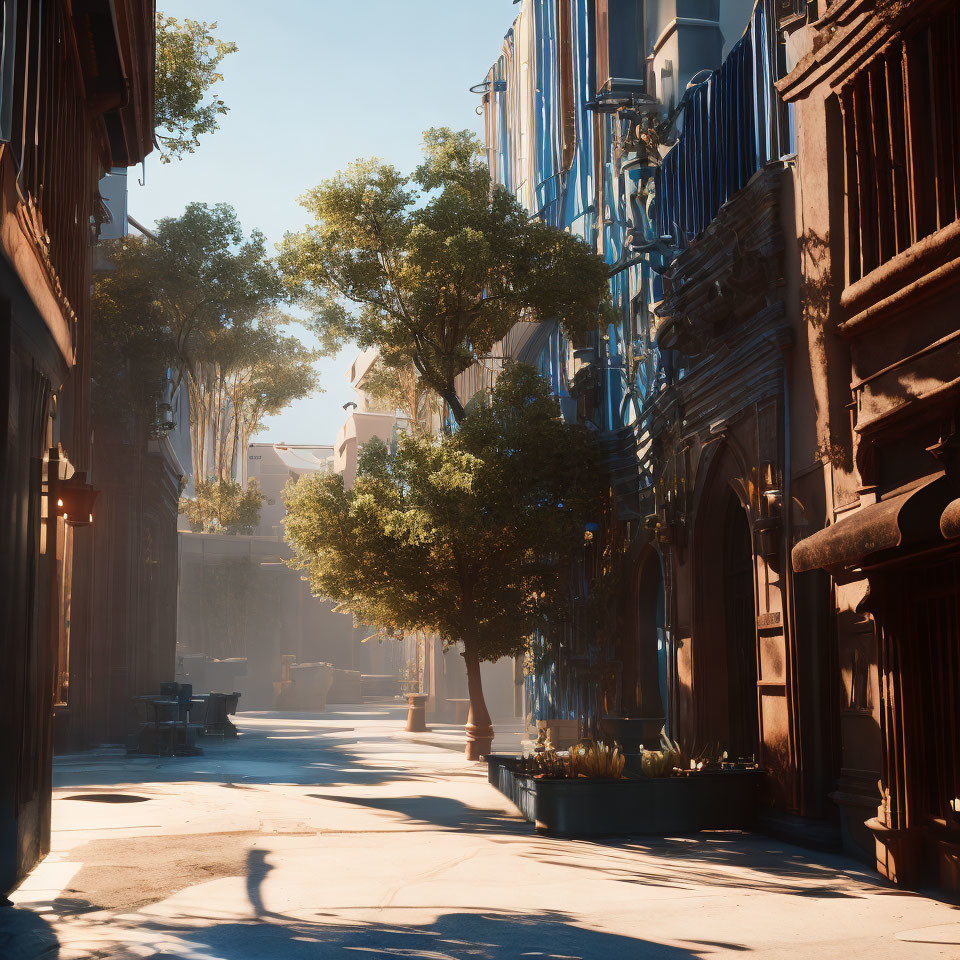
x=334, y=835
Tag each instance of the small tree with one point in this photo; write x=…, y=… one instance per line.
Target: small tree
x=188, y=65
x=469, y=536
x=436, y=268
x=223, y=506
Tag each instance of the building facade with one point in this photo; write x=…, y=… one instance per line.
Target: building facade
x=774, y=187
x=875, y=91
x=76, y=85
x=273, y=466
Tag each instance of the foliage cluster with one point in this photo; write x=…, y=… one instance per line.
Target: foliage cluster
x=469, y=536
x=435, y=268
x=590, y=760
x=188, y=65
x=198, y=303
x=223, y=506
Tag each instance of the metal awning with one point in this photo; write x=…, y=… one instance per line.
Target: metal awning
x=905, y=519
x=950, y=521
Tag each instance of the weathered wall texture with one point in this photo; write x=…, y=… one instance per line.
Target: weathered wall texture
x=877, y=218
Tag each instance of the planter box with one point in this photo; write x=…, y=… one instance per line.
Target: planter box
x=659, y=806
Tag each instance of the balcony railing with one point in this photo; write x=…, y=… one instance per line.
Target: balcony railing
x=733, y=124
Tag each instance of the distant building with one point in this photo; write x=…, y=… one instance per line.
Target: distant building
x=366, y=419
x=238, y=599
x=273, y=466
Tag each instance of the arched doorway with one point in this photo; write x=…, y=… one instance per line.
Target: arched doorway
x=723, y=681
x=739, y=606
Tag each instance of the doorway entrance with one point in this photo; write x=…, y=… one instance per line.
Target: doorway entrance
x=740, y=631
x=644, y=655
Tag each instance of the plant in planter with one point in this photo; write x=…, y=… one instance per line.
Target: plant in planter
x=662, y=762
x=676, y=760
x=585, y=761
x=584, y=793
x=597, y=761
x=548, y=764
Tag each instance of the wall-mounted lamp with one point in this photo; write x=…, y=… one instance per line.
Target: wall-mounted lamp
x=774, y=497
x=75, y=499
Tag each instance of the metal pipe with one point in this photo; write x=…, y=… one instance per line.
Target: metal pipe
x=137, y=225
x=790, y=627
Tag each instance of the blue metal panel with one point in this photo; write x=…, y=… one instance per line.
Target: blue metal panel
x=577, y=204
x=732, y=125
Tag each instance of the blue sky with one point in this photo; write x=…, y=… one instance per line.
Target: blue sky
x=314, y=85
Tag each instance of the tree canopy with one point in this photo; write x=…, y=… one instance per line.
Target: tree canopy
x=204, y=301
x=189, y=55
x=223, y=506
x=469, y=536
x=436, y=267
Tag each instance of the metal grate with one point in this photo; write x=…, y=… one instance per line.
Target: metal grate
x=901, y=120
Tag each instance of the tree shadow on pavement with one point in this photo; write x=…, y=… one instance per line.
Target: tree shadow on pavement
x=277, y=750
x=25, y=935
x=726, y=861
x=438, y=812
x=485, y=935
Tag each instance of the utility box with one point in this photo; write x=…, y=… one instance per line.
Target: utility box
x=621, y=63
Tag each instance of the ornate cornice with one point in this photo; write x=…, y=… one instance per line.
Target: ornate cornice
x=850, y=35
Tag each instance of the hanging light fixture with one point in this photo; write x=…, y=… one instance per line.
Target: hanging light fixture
x=75, y=499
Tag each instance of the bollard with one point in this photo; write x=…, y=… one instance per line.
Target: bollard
x=417, y=712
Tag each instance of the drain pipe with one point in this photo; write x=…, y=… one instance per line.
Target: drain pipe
x=787, y=577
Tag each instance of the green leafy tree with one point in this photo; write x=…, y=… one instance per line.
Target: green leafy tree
x=275, y=371
x=188, y=66
x=203, y=300
x=435, y=268
x=131, y=352
x=223, y=506
x=399, y=388
x=469, y=536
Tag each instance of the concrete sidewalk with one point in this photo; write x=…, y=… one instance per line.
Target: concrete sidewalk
x=336, y=835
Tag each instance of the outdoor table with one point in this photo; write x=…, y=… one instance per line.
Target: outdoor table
x=169, y=713
x=159, y=704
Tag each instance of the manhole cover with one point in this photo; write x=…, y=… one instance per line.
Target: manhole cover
x=109, y=797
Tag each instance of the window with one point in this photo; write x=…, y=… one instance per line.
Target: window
x=901, y=120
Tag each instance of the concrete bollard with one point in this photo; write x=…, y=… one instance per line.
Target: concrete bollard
x=417, y=712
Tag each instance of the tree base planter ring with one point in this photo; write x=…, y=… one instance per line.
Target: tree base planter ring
x=479, y=740
x=658, y=806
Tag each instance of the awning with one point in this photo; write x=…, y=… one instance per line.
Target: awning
x=950, y=521
x=905, y=519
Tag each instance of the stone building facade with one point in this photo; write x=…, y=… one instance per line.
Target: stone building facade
x=876, y=95
x=779, y=401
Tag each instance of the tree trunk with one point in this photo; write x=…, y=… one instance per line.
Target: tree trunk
x=479, y=728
